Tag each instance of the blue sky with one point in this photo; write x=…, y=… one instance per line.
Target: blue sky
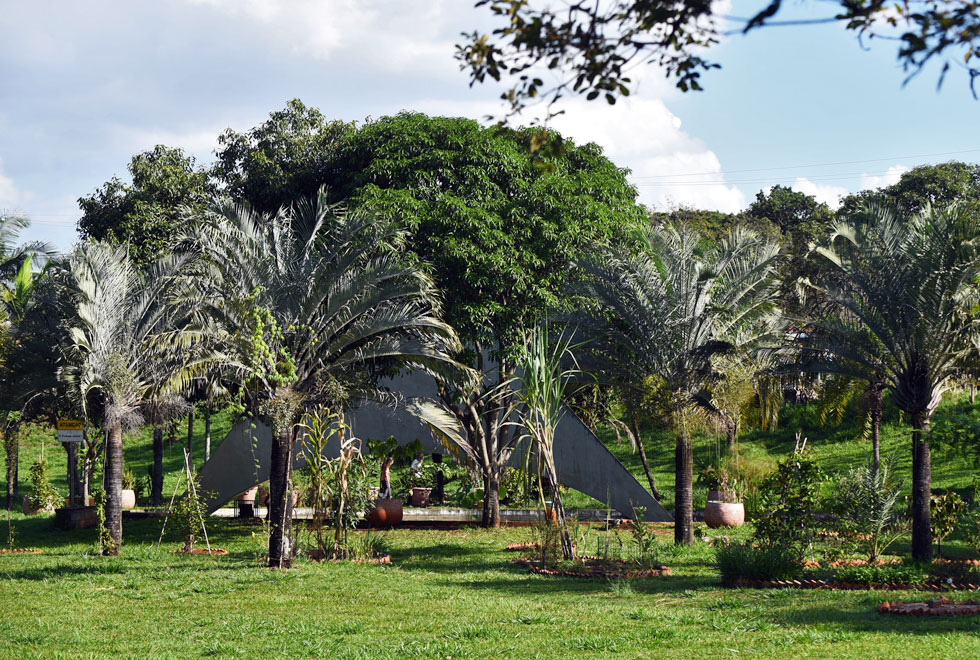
x=84, y=86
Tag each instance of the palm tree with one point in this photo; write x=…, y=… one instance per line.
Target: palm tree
x=311, y=305
x=18, y=298
x=900, y=296
x=127, y=346
x=668, y=312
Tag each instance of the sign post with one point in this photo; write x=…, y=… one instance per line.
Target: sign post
x=71, y=433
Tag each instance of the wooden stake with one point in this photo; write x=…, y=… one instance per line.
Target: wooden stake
x=193, y=490
x=169, y=509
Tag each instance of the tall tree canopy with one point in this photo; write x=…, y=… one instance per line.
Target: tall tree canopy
x=939, y=185
x=146, y=214
x=281, y=160
x=498, y=228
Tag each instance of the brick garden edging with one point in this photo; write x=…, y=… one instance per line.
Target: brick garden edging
x=848, y=586
x=940, y=607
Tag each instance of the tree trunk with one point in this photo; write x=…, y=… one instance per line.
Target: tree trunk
x=207, y=434
x=72, y=473
x=683, y=490
x=973, y=393
x=643, y=456
x=730, y=432
x=190, y=435
x=113, y=488
x=491, y=500
x=877, y=396
x=921, y=489
x=11, y=443
x=156, y=488
x=280, y=499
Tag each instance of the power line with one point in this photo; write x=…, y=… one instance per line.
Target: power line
x=791, y=167
x=815, y=177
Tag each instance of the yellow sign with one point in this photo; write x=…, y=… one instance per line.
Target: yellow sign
x=70, y=430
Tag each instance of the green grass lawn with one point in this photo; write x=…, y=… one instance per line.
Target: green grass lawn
x=447, y=594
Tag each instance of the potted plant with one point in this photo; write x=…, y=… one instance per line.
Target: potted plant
x=727, y=509
x=419, y=485
x=43, y=496
x=128, y=492
x=717, y=480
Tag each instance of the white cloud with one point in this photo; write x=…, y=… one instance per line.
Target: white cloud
x=391, y=35
x=829, y=195
x=9, y=195
x=889, y=178
x=200, y=143
x=645, y=136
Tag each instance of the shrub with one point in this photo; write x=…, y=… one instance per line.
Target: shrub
x=886, y=574
x=945, y=512
x=866, y=503
x=744, y=561
x=973, y=518
x=787, y=501
x=42, y=494
x=643, y=546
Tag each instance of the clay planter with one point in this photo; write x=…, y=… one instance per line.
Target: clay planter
x=128, y=498
x=30, y=510
x=248, y=495
x=724, y=514
x=385, y=513
x=420, y=496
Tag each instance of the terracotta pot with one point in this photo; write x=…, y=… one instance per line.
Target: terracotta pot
x=385, y=513
x=248, y=495
x=420, y=496
x=724, y=514
x=128, y=498
x=30, y=510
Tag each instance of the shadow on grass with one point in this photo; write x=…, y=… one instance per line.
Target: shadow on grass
x=105, y=566
x=863, y=617
x=446, y=558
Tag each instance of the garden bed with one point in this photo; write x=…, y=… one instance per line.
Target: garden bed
x=594, y=567
x=381, y=559
x=201, y=551
x=813, y=583
x=940, y=607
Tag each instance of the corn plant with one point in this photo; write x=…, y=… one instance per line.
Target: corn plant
x=542, y=383
x=338, y=487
